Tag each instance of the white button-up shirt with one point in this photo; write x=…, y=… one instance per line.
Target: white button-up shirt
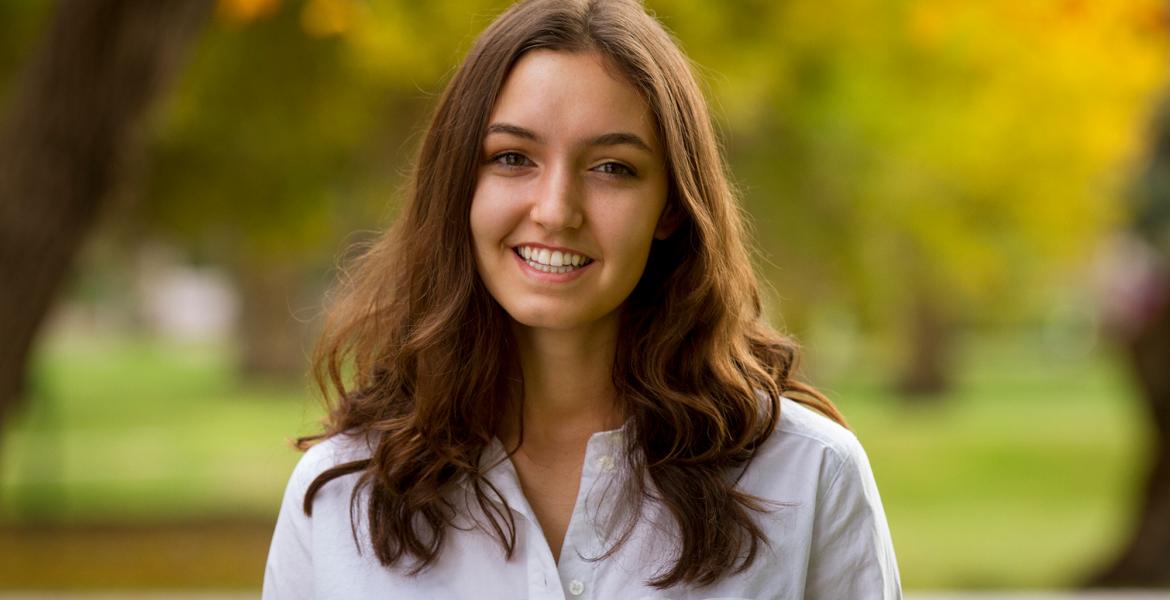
x=827, y=534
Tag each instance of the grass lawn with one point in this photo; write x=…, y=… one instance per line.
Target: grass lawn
x=134, y=429
x=1023, y=477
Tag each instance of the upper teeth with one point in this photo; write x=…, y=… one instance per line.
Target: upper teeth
x=553, y=258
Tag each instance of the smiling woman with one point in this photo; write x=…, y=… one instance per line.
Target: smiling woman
x=562, y=382
x=591, y=185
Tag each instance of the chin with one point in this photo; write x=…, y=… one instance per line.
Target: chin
x=543, y=315
x=543, y=320
x=559, y=317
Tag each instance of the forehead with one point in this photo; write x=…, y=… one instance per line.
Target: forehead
x=571, y=95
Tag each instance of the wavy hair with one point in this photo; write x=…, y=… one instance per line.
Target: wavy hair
x=417, y=356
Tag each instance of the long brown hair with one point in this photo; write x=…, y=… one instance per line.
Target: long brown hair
x=421, y=359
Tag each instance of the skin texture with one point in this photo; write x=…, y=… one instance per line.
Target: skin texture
x=562, y=191
x=554, y=173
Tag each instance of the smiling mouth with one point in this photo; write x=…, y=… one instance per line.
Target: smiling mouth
x=551, y=261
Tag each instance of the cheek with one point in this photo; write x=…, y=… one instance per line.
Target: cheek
x=629, y=222
x=490, y=218
x=629, y=238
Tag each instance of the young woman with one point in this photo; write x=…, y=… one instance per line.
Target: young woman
x=553, y=379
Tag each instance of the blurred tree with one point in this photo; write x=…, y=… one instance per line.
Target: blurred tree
x=931, y=163
x=285, y=135
x=20, y=22
x=922, y=149
x=911, y=159
x=1139, y=318
x=70, y=128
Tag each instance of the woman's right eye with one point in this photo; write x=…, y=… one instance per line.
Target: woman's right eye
x=511, y=159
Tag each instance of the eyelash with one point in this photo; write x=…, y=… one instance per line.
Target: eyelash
x=615, y=168
x=625, y=170
x=501, y=159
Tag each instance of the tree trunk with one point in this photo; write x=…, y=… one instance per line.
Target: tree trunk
x=67, y=136
x=1138, y=315
x=1145, y=560
x=926, y=373
x=272, y=333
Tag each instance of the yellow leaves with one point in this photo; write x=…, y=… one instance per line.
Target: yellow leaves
x=318, y=18
x=326, y=18
x=244, y=11
x=413, y=45
x=991, y=138
x=390, y=43
x=927, y=24
x=386, y=45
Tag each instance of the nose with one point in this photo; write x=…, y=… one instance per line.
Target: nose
x=558, y=202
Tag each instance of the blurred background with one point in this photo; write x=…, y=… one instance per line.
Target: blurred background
x=962, y=210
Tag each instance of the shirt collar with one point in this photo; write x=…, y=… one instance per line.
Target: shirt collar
x=498, y=470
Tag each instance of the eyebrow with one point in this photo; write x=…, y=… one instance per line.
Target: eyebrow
x=617, y=138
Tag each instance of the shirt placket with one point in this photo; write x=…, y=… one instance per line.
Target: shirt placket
x=575, y=573
x=582, y=538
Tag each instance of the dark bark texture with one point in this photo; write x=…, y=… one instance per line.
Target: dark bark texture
x=69, y=129
x=926, y=373
x=1144, y=561
x=272, y=338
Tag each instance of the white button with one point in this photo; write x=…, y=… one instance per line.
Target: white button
x=576, y=588
x=606, y=463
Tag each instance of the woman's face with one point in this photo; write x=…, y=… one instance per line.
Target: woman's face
x=570, y=191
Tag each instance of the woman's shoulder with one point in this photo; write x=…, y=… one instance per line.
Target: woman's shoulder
x=807, y=445
x=804, y=424
x=335, y=450
x=820, y=466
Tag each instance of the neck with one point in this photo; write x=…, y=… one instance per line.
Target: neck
x=568, y=384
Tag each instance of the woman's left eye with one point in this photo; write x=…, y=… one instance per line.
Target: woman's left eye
x=615, y=168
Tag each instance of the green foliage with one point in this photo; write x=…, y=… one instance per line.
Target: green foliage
x=261, y=136
x=978, y=149
x=294, y=124
x=883, y=147
x=975, y=149
x=20, y=22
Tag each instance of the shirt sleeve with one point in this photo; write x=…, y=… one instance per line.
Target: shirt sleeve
x=852, y=554
x=288, y=574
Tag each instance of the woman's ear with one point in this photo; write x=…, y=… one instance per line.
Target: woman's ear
x=668, y=221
